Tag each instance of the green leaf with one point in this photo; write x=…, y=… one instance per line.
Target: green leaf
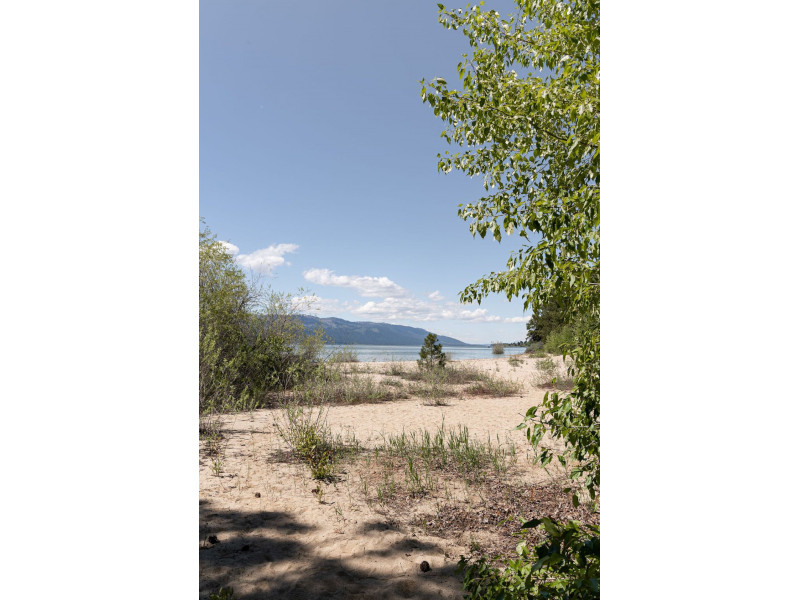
x=531, y=524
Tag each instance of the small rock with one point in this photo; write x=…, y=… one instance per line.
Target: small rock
x=424, y=566
x=258, y=494
x=212, y=539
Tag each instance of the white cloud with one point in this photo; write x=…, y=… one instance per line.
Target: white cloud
x=229, y=248
x=397, y=303
x=266, y=259
x=321, y=307
x=365, y=286
x=516, y=319
x=413, y=309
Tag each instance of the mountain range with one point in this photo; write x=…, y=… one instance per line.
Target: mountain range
x=339, y=331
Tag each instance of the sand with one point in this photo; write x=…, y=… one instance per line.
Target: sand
x=295, y=542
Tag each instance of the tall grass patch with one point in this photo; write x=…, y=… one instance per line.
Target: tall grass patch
x=425, y=458
x=305, y=430
x=335, y=387
x=497, y=387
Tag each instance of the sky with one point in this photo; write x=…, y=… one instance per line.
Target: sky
x=318, y=163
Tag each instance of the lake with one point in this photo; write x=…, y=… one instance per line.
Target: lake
x=369, y=353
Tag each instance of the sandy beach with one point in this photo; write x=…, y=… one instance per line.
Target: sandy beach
x=267, y=529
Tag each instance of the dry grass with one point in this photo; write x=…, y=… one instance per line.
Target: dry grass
x=552, y=375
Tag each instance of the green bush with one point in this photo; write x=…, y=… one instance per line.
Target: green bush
x=567, y=337
x=559, y=340
x=498, y=348
x=251, y=341
x=566, y=565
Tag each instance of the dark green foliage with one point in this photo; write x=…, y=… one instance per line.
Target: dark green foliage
x=431, y=355
x=551, y=317
x=566, y=565
x=567, y=337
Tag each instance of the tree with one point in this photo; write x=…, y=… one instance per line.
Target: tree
x=528, y=116
x=431, y=355
x=551, y=317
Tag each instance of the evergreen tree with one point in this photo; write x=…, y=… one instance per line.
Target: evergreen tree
x=431, y=355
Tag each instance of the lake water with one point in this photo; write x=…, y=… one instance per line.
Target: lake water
x=368, y=353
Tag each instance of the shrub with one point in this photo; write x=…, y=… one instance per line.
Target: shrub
x=433, y=386
x=344, y=355
x=493, y=386
x=396, y=368
x=566, y=565
x=498, y=348
x=251, y=340
x=559, y=340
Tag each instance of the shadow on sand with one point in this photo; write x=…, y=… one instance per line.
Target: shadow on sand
x=262, y=554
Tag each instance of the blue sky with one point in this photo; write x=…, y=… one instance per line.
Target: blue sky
x=318, y=162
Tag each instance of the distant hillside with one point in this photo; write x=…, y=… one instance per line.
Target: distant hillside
x=340, y=331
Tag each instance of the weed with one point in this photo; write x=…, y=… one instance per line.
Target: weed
x=319, y=493
x=396, y=368
x=211, y=435
x=388, y=489
x=514, y=361
x=223, y=594
x=433, y=387
x=311, y=440
x=493, y=386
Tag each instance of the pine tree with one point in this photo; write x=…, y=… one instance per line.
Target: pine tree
x=431, y=355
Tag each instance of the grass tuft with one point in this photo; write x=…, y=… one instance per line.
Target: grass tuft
x=550, y=375
x=306, y=431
